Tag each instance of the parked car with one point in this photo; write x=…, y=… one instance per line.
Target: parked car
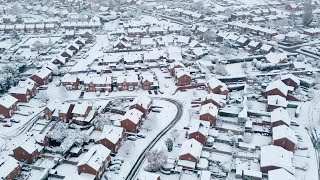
x=132, y=138
x=114, y=167
x=15, y=120
x=140, y=135
x=7, y=124
x=113, y=162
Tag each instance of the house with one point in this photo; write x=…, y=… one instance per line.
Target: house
x=242, y=41
x=49, y=110
x=312, y=32
x=215, y=86
x=252, y=174
x=195, y=44
x=122, y=44
x=280, y=174
x=292, y=7
x=30, y=85
x=70, y=82
x=67, y=54
x=131, y=120
x=284, y=137
x=83, y=113
x=8, y=105
x=9, y=168
x=183, y=77
x=65, y=112
x=276, y=58
x=254, y=45
x=218, y=100
x=174, y=66
x=156, y=31
x=290, y=80
x=23, y=94
x=275, y=157
x=42, y=77
x=59, y=60
x=148, y=42
x=276, y=101
x=140, y=32
x=74, y=47
x=94, y=161
x=279, y=88
x=97, y=83
x=199, y=130
x=81, y=42
x=86, y=33
x=209, y=112
x=128, y=82
x=280, y=116
x=111, y=137
x=144, y=175
x=147, y=81
x=190, y=152
x=266, y=48
x=141, y=103
x=28, y=151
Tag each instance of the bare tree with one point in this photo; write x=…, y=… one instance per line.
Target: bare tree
x=43, y=97
x=175, y=134
x=307, y=14
x=156, y=158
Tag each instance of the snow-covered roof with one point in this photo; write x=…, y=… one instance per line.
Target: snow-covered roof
x=133, y=115
x=176, y=64
x=242, y=40
x=194, y=43
x=95, y=157
x=209, y=108
x=111, y=133
x=266, y=47
x=42, y=73
x=142, y=101
x=292, y=77
x=64, y=108
x=147, y=77
x=29, y=146
x=275, y=58
x=280, y=174
x=192, y=147
x=98, y=80
x=284, y=131
x=181, y=72
x=144, y=175
x=7, y=166
x=182, y=39
x=219, y=98
x=276, y=156
x=7, y=101
x=199, y=126
x=276, y=100
x=214, y=82
x=68, y=78
x=253, y=43
x=80, y=108
x=278, y=84
x=280, y=114
x=18, y=90
x=127, y=78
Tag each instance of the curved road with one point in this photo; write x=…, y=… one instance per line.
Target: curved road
x=136, y=167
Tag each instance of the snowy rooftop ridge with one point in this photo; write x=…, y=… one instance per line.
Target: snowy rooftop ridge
x=96, y=155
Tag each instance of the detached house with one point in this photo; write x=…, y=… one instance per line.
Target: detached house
x=277, y=88
x=70, y=82
x=23, y=94
x=28, y=151
x=275, y=157
x=128, y=82
x=217, y=87
x=94, y=161
x=9, y=168
x=218, y=100
x=291, y=80
x=111, y=137
x=141, y=103
x=147, y=81
x=83, y=113
x=131, y=120
x=209, y=112
x=190, y=153
x=199, y=130
x=280, y=117
x=284, y=137
x=65, y=112
x=174, y=66
x=30, y=85
x=183, y=77
x=276, y=101
x=42, y=77
x=8, y=105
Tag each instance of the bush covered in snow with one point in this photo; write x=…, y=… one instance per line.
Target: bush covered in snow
x=156, y=158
